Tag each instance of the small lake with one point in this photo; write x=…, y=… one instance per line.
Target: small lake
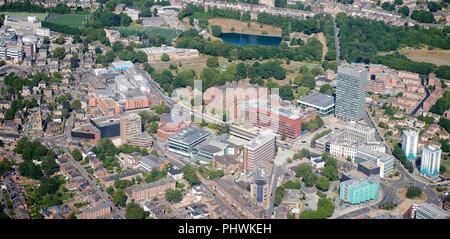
x=246, y=39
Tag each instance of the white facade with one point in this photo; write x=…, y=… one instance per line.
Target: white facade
x=409, y=143
x=431, y=161
x=343, y=150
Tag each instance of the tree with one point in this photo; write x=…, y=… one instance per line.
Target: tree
x=49, y=165
x=442, y=169
x=216, y=30
x=241, y=70
x=433, y=6
x=76, y=154
x=74, y=61
x=141, y=57
x=286, y=93
x=49, y=185
x=292, y=185
x=279, y=193
x=76, y=105
x=212, y=62
x=302, y=91
x=309, y=179
x=190, y=175
x=154, y=127
x=404, y=11
x=323, y=183
x=59, y=53
x=283, y=137
x=46, y=40
x=117, y=46
x=173, y=195
x=413, y=192
x=422, y=16
x=302, y=170
x=155, y=12
x=326, y=89
x=165, y=57
x=134, y=211
x=119, y=197
x=60, y=40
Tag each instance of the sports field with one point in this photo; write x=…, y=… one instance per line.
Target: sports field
x=40, y=16
x=72, y=20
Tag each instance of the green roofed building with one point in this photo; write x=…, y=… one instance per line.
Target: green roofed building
x=359, y=189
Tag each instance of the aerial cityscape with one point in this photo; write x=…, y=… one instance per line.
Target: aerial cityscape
x=230, y=109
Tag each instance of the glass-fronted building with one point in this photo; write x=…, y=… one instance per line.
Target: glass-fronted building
x=358, y=190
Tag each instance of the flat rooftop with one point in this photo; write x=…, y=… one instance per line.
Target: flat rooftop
x=259, y=141
x=292, y=195
x=123, y=64
x=355, y=174
x=106, y=120
x=354, y=70
x=189, y=135
x=369, y=165
x=318, y=100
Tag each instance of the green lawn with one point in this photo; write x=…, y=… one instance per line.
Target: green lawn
x=446, y=163
x=40, y=16
x=72, y=20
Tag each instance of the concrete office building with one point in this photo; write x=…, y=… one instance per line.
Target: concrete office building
x=259, y=190
x=324, y=104
x=259, y=150
x=184, y=142
x=409, y=143
x=351, y=92
x=130, y=125
x=385, y=162
x=368, y=168
x=358, y=189
x=358, y=132
x=109, y=126
x=431, y=211
x=87, y=132
x=431, y=161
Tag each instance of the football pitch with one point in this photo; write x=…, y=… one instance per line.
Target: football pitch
x=72, y=20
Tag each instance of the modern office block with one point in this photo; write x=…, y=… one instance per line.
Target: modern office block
x=358, y=190
x=259, y=150
x=183, y=142
x=351, y=92
x=260, y=191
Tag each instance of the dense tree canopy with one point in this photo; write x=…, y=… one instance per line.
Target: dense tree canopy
x=134, y=211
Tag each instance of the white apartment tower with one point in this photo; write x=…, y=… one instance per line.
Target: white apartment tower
x=409, y=143
x=431, y=161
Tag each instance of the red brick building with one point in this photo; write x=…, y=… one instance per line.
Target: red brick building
x=101, y=210
x=167, y=126
x=148, y=191
x=284, y=120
